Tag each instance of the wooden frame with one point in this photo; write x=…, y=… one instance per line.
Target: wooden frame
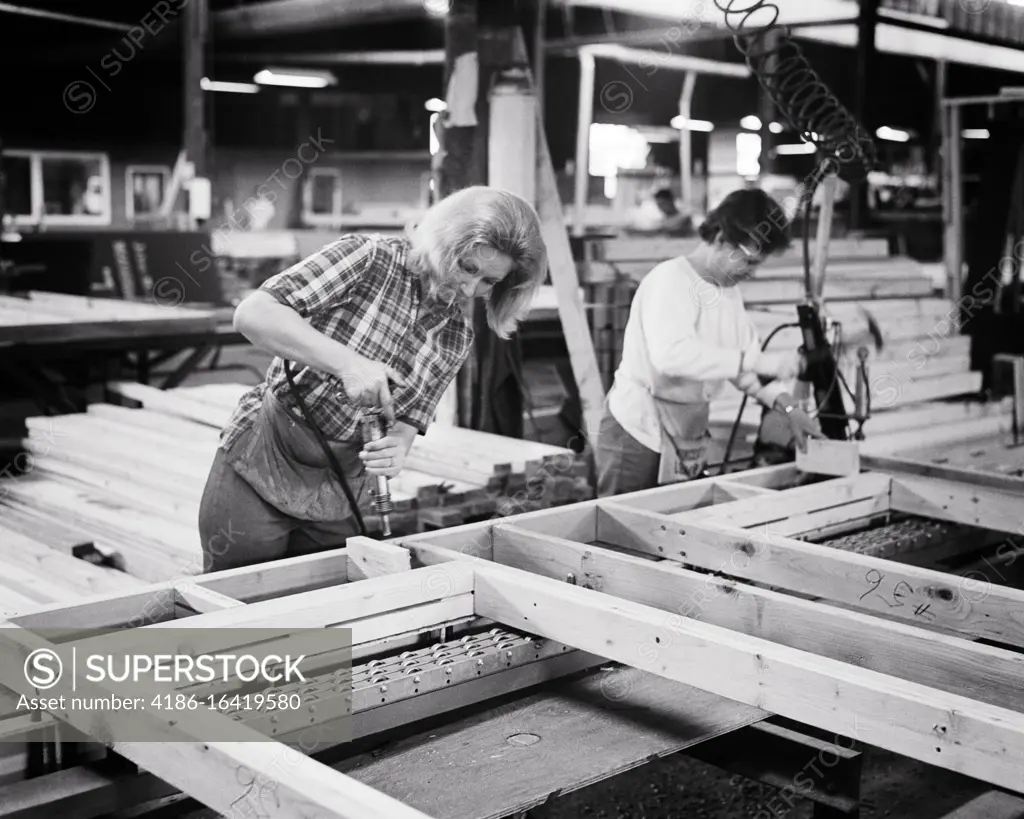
x=704, y=584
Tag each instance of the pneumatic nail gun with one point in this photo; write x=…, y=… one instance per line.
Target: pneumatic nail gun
x=374, y=427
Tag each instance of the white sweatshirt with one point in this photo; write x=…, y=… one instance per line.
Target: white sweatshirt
x=683, y=341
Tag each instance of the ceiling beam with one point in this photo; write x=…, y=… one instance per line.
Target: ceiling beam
x=8, y=8
x=790, y=11
x=426, y=57
x=297, y=16
x=679, y=62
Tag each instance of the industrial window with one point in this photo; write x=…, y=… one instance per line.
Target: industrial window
x=17, y=171
x=321, y=197
x=63, y=187
x=144, y=190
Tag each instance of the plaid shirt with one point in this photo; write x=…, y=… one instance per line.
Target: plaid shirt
x=359, y=292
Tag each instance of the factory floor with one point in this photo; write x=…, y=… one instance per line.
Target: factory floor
x=892, y=787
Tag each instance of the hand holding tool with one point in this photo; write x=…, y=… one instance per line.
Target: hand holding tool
x=374, y=427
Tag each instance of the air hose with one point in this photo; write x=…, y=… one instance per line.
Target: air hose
x=331, y=457
x=806, y=102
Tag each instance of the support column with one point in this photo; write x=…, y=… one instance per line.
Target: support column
x=686, y=142
x=458, y=134
x=498, y=403
x=539, y=54
x=196, y=36
x=766, y=111
x=866, y=53
x=584, y=117
x=952, y=201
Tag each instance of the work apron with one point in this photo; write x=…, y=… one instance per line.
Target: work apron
x=684, y=440
x=280, y=457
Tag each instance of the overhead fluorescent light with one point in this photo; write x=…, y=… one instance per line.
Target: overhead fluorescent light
x=437, y=8
x=435, y=106
x=751, y=123
x=682, y=124
x=231, y=87
x=975, y=133
x=295, y=77
x=776, y=128
x=796, y=148
x=892, y=134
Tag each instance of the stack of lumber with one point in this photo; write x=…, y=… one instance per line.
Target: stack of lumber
x=858, y=269
x=860, y=273
x=924, y=361
x=36, y=571
x=46, y=317
x=125, y=484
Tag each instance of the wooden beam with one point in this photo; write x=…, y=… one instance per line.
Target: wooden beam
x=977, y=739
x=867, y=583
x=202, y=600
x=567, y=288
x=760, y=511
x=896, y=465
x=960, y=502
x=371, y=558
x=241, y=772
x=952, y=664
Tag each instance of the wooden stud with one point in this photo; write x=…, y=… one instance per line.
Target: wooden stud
x=950, y=663
x=977, y=739
x=871, y=584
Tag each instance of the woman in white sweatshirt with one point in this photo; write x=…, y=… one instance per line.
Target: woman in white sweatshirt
x=688, y=333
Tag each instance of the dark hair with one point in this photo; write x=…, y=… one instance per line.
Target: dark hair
x=663, y=193
x=748, y=217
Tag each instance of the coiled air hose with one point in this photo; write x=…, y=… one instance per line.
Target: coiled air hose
x=806, y=102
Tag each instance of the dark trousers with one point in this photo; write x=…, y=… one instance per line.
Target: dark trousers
x=623, y=464
x=239, y=528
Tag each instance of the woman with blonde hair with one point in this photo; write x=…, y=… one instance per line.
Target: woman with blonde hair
x=369, y=321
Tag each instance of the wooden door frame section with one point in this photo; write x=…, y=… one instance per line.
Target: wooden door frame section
x=685, y=592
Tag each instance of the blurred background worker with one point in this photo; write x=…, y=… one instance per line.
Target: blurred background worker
x=660, y=216
x=689, y=332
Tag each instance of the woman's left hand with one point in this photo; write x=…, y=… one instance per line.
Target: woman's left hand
x=803, y=427
x=384, y=457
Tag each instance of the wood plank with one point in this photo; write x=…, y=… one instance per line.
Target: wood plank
x=620, y=249
x=728, y=491
x=371, y=558
x=567, y=287
x=220, y=774
x=982, y=741
x=156, y=421
x=935, y=435
x=202, y=600
x=952, y=664
x=897, y=465
x=870, y=584
x=801, y=522
x=82, y=576
x=776, y=508
x=960, y=502
x=172, y=404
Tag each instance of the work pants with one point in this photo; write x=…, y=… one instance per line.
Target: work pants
x=623, y=464
x=239, y=528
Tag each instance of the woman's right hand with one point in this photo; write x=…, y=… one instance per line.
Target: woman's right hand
x=366, y=382
x=782, y=366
